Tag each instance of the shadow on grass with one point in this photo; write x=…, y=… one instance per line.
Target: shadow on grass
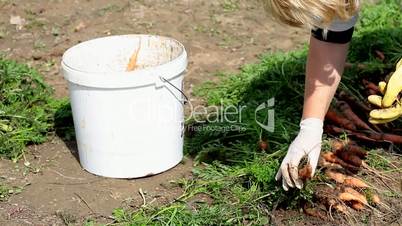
x=64, y=127
x=281, y=76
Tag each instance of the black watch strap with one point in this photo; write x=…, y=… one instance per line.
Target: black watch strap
x=340, y=37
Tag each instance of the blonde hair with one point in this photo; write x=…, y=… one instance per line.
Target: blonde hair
x=311, y=13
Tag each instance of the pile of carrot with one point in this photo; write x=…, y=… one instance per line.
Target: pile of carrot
x=350, y=116
x=340, y=164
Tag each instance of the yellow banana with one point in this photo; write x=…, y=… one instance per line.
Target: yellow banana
x=376, y=100
x=381, y=121
x=394, y=87
x=382, y=85
x=387, y=113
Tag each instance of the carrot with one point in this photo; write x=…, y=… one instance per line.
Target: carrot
x=361, y=198
x=340, y=208
x=305, y=172
x=334, y=129
x=371, y=92
x=338, y=177
x=337, y=145
x=363, y=136
x=347, y=197
x=357, y=205
x=373, y=137
x=350, y=150
x=349, y=158
x=347, y=111
x=353, y=102
x=355, y=182
x=331, y=157
x=393, y=138
x=132, y=64
x=356, y=150
x=339, y=120
x=349, y=147
x=347, y=180
x=324, y=163
x=350, y=194
x=375, y=199
x=371, y=86
x=332, y=203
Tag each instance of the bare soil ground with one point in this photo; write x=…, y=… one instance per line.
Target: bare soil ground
x=220, y=35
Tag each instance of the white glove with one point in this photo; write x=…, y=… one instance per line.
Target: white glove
x=307, y=143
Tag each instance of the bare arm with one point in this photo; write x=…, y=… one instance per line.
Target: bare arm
x=325, y=65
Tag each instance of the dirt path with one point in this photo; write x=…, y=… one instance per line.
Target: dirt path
x=54, y=182
x=219, y=36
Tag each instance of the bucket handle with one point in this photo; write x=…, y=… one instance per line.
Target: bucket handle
x=182, y=93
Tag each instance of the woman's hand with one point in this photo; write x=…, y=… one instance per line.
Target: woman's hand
x=307, y=143
x=324, y=68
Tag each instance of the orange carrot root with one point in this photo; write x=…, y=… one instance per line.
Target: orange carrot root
x=355, y=182
x=337, y=145
x=357, y=205
x=340, y=208
x=330, y=157
x=305, y=172
x=376, y=200
x=337, y=206
x=338, y=177
x=355, y=196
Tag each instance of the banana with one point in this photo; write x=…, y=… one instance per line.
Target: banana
x=394, y=87
x=376, y=100
x=387, y=113
x=382, y=85
x=381, y=121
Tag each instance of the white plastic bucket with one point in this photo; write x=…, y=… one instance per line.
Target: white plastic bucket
x=127, y=124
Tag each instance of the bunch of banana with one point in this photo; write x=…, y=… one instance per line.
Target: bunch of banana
x=390, y=106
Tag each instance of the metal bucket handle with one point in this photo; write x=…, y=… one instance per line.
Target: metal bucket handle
x=186, y=100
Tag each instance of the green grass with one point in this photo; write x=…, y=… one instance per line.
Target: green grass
x=27, y=108
x=6, y=191
x=232, y=171
x=230, y=5
x=378, y=161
